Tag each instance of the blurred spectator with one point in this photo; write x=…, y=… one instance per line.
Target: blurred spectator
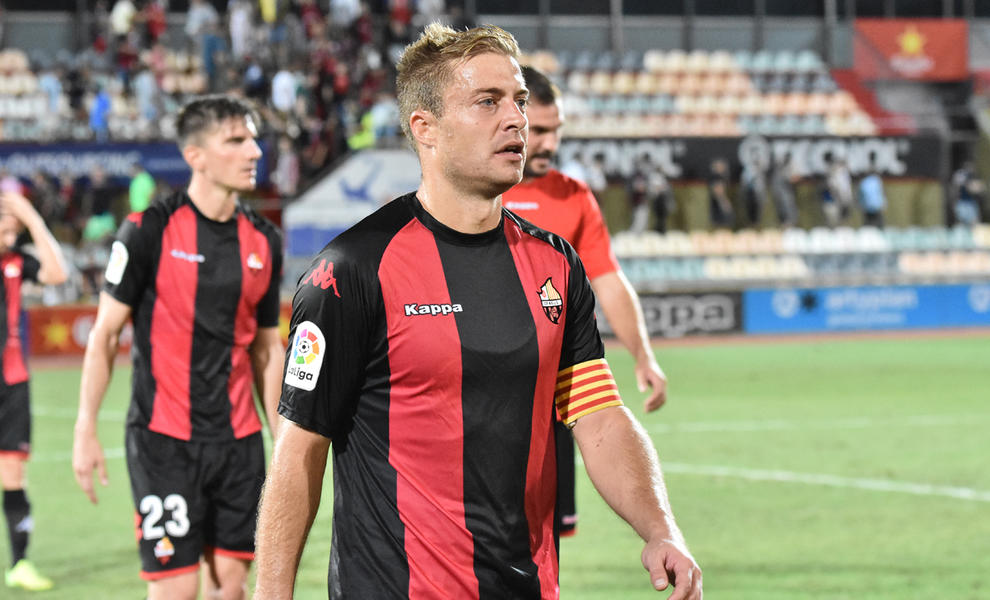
x=122, y=20
x=287, y=169
x=98, y=226
x=344, y=12
x=239, y=15
x=837, y=193
x=146, y=95
x=385, y=117
x=284, y=86
x=659, y=195
x=754, y=191
x=967, y=195
x=636, y=195
x=782, y=180
x=155, y=21
x=720, y=208
x=46, y=199
x=596, y=178
x=141, y=189
x=50, y=83
x=99, y=114
x=200, y=19
x=213, y=52
x=872, y=199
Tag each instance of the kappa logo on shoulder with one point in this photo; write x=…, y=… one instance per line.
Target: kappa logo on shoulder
x=322, y=277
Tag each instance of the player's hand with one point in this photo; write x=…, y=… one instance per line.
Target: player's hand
x=16, y=205
x=87, y=456
x=669, y=562
x=649, y=375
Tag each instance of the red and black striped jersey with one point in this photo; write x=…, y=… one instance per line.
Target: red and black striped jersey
x=17, y=267
x=432, y=359
x=199, y=290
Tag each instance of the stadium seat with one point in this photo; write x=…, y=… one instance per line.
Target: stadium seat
x=743, y=60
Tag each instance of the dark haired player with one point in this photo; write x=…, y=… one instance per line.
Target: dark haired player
x=17, y=213
x=199, y=274
x=565, y=206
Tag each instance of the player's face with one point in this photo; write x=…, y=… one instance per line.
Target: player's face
x=545, y=122
x=481, y=137
x=230, y=154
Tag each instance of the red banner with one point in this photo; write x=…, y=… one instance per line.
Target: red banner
x=64, y=330
x=917, y=49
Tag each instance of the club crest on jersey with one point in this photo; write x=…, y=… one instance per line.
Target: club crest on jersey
x=11, y=271
x=164, y=550
x=254, y=262
x=553, y=304
x=308, y=348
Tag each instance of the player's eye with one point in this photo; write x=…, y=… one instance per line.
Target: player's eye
x=522, y=103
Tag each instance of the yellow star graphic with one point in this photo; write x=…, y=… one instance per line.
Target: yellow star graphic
x=911, y=41
x=57, y=335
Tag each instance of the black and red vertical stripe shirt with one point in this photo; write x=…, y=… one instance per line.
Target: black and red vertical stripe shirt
x=16, y=267
x=433, y=360
x=199, y=290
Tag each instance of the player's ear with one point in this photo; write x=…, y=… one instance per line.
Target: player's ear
x=423, y=126
x=193, y=155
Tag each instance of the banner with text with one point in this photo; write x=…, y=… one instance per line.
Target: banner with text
x=690, y=158
x=161, y=159
x=915, y=49
x=679, y=315
x=812, y=310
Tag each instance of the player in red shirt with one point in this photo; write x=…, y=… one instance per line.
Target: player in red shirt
x=566, y=206
x=16, y=213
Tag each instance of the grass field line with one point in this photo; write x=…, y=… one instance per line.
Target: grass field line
x=66, y=456
x=875, y=485
x=840, y=423
x=71, y=413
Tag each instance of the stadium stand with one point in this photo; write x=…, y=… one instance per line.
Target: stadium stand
x=841, y=256
x=720, y=94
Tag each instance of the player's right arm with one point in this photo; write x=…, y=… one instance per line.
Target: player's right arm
x=288, y=506
x=87, y=453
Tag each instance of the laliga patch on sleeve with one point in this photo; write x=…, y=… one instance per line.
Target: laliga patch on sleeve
x=117, y=263
x=308, y=348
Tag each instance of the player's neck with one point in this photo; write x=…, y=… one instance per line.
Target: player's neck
x=215, y=203
x=461, y=212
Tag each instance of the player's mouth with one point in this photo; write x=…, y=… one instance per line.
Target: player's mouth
x=512, y=150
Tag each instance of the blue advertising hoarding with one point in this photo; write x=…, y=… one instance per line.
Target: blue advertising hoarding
x=812, y=310
x=162, y=160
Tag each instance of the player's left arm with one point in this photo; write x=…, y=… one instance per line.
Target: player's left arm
x=53, y=270
x=267, y=356
x=625, y=315
x=623, y=465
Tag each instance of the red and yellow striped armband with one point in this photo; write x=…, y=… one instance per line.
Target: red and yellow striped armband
x=585, y=388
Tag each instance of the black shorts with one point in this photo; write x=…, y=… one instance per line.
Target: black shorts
x=15, y=419
x=191, y=497
x=566, y=509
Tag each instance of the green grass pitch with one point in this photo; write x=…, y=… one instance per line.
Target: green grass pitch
x=824, y=469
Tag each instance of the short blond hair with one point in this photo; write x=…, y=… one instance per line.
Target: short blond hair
x=426, y=65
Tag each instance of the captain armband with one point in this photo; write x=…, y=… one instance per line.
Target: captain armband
x=585, y=388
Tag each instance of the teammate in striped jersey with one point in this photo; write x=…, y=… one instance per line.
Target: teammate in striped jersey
x=198, y=273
